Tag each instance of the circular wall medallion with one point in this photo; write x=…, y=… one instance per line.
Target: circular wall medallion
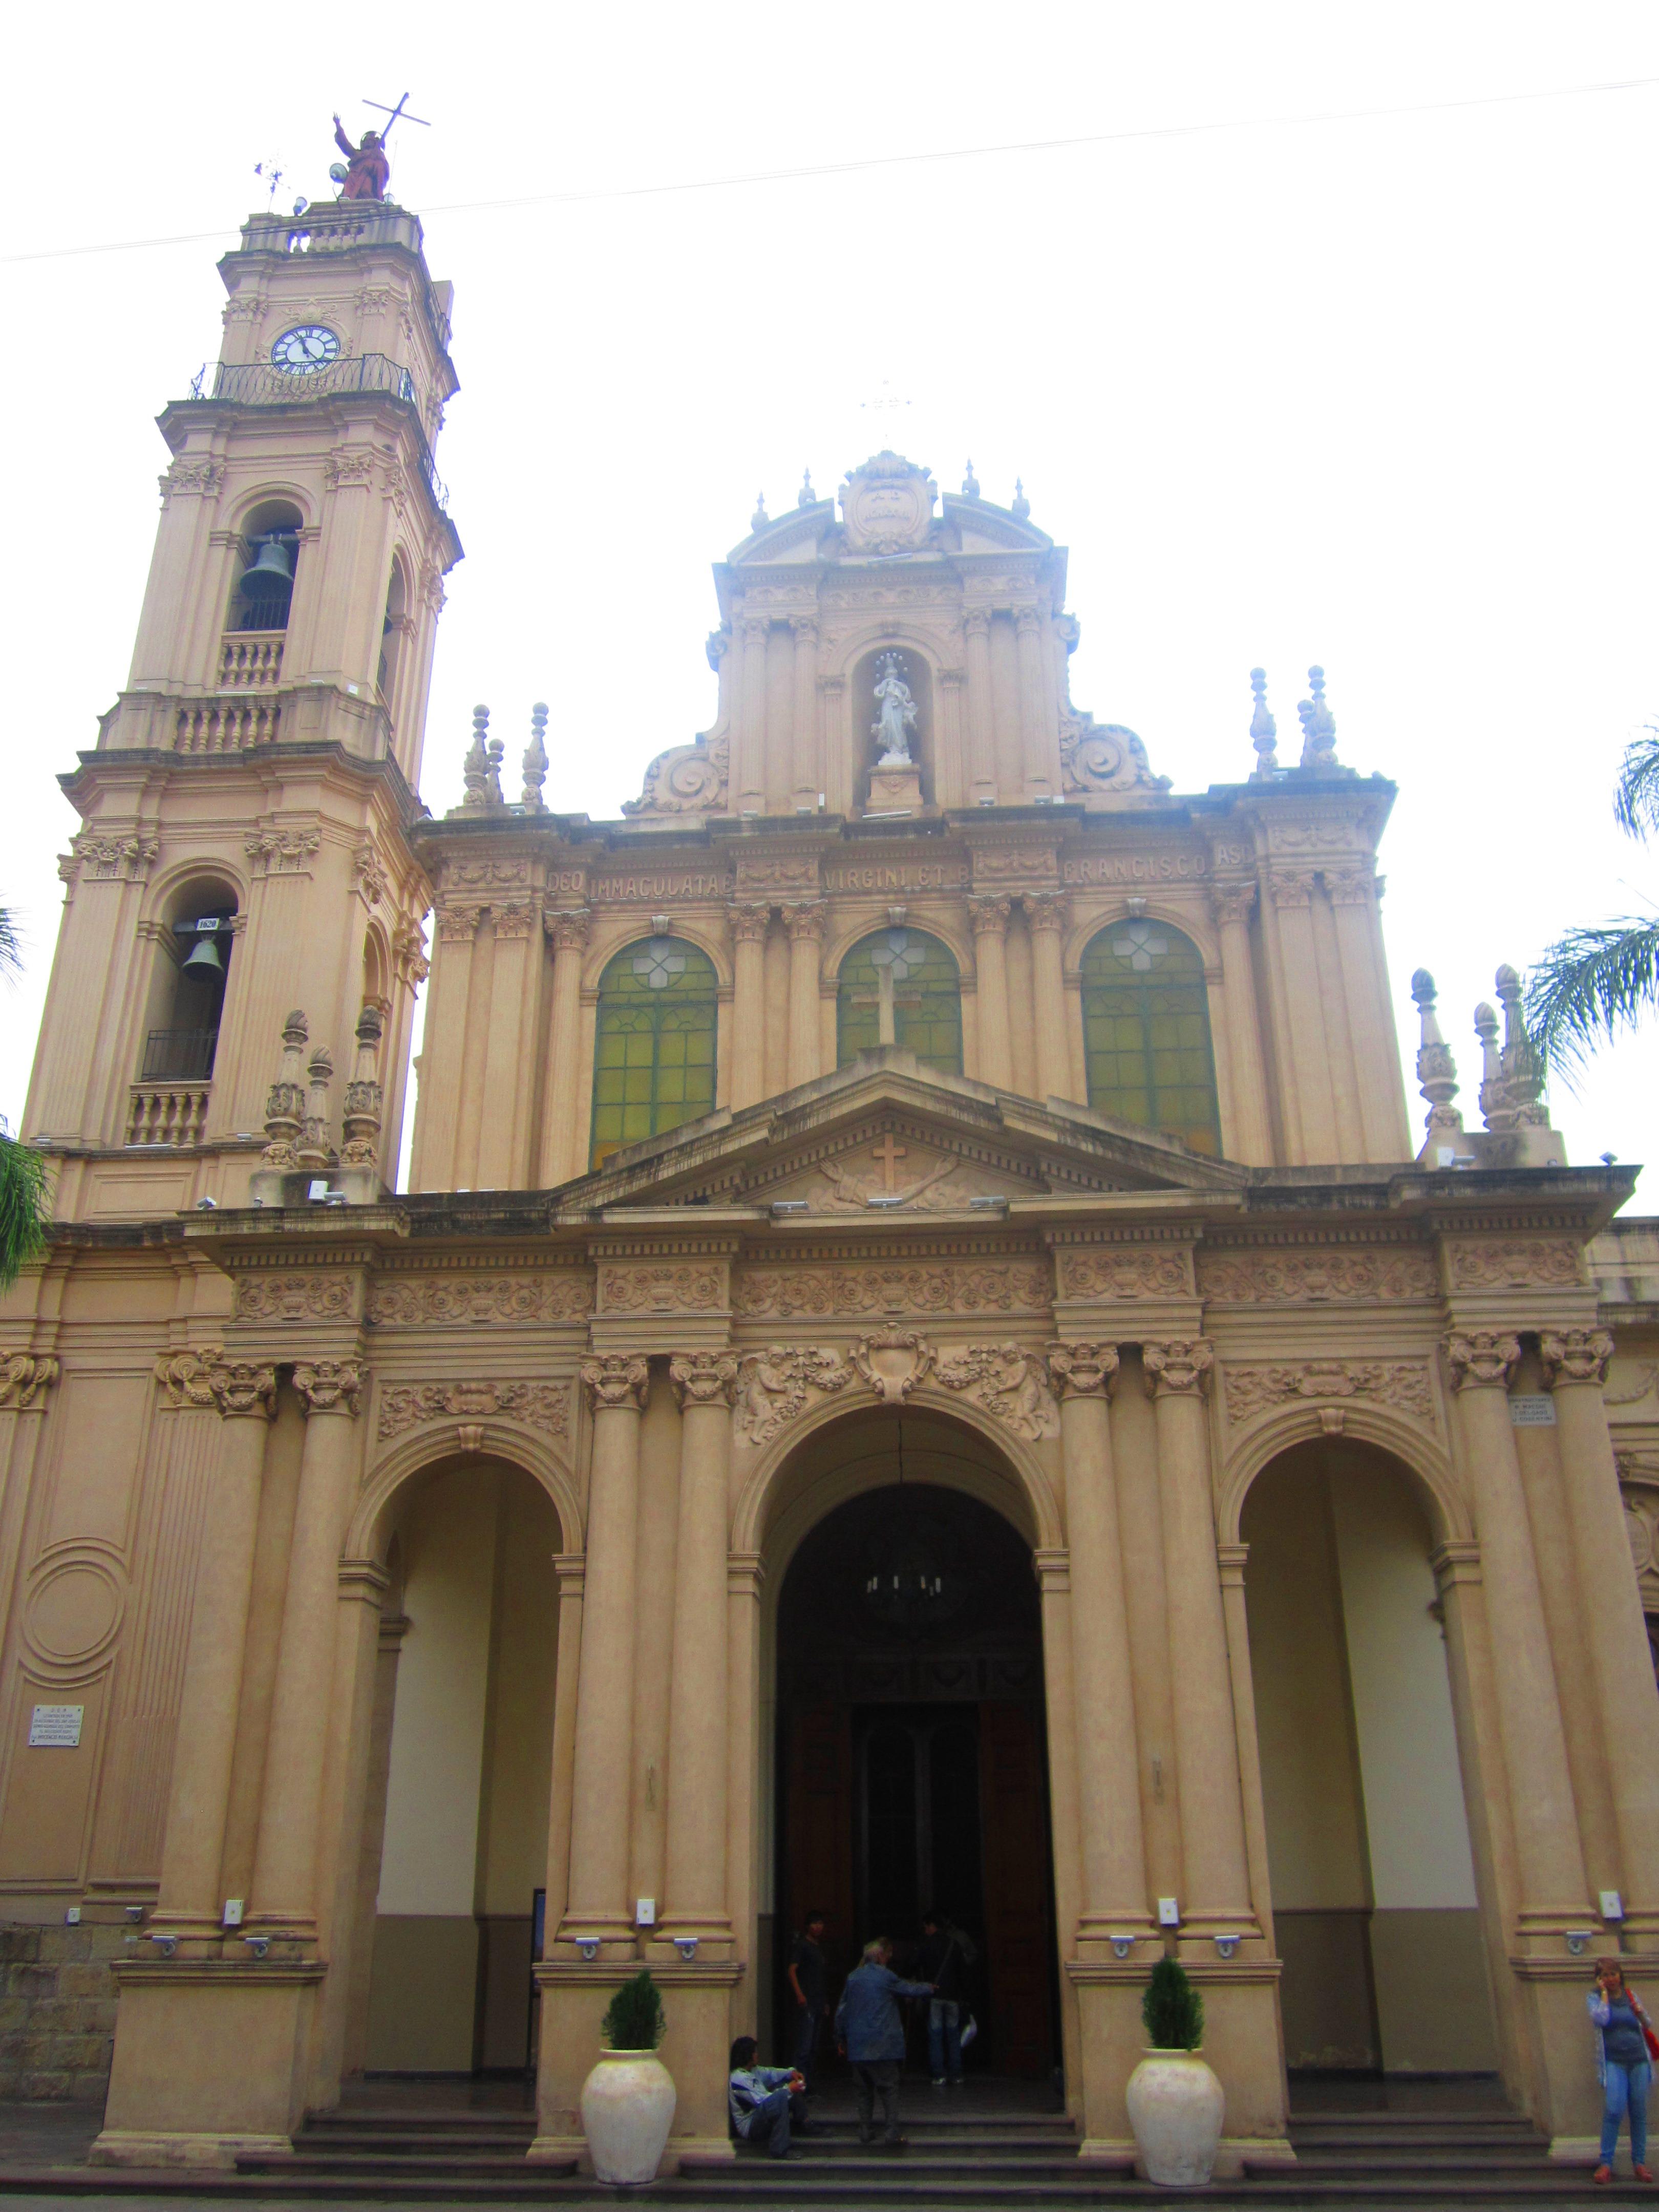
x=73, y=1613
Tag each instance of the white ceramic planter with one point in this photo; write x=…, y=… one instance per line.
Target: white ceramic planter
x=628, y=2108
x=1175, y=2105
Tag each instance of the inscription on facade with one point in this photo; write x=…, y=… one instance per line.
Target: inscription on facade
x=1150, y=867
x=897, y=875
x=684, y=884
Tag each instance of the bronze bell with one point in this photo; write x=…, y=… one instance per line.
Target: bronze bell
x=272, y=573
x=205, y=958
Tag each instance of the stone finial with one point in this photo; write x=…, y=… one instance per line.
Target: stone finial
x=535, y=761
x=475, y=771
x=364, y=1098
x=760, y=518
x=1496, y=1110
x=806, y=496
x=1022, y=506
x=285, y=1102
x=1523, y=1070
x=1436, y=1071
x=970, y=483
x=494, y=795
x=1318, y=728
x=1264, y=730
x=314, y=1151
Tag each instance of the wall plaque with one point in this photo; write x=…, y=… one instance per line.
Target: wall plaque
x=56, y=1725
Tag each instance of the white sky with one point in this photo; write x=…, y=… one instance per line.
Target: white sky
x=1374, y=392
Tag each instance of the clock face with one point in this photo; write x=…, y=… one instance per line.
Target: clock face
x=305, y=348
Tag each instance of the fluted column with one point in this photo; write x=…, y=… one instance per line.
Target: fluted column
x=1034, y=742
x=617, y=1385
x=290, y=1803
x=1306, y=1073
x=1230, y=905
x=571, y=1569
x=199, y=1799
x=1215, y=1867
x=705, y=1383
x=804, y=923
x=749, y=925
x=1046, y=914
x=563, y=1125
x=989, y=918
x=1549, y=1859
x=981, y=759
x=1610, y=1618
x=1103, y=1682
x=805, y=746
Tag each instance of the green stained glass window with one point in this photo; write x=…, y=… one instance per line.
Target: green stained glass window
x=1146, y=1032
x=653, y=1054
x=914, y=976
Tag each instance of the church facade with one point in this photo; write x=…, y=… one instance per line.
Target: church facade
x=921, y=1366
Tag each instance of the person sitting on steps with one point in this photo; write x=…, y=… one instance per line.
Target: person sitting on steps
x=870, y=2033
x=763, y=2100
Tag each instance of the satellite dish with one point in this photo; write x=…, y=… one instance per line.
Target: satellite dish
x=338, y=172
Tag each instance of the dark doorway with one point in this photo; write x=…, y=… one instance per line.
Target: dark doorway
x=911, y=1753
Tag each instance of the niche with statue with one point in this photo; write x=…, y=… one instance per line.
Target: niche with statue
x=893, y=725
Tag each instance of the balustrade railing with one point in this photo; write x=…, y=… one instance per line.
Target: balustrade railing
x=251, y=660
x=168, y=1113
x=235, y=727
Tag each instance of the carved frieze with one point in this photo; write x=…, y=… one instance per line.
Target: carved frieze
x=1007, y=1381
x=944, y=1287
x=306, y=1295
x=1515, y=1263
x=451, y=1301
x=537, y=1405
x=774, y=1386
x=1125, y=1271
x=795, y=873
x=25, y=1377
x=1252, y=1389
x=1265, y=1276
x=662, y=1286
x=484, y=873
x=1016, y=865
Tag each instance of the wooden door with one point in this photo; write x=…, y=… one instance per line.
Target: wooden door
x=1019, y=1921
x=817, y=1867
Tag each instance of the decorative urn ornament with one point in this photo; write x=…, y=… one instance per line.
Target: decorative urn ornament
x=1176, y=2103
x=628, y=2101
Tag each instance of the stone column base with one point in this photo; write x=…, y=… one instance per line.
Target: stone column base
x=697, y=2002
x=209, y=2060
x=1565, y=2096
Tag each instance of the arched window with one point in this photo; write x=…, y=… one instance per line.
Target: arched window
x=187, y=996
x=653, y=1057
x=1146, y=1032
x=269, y=552
x=900, y=987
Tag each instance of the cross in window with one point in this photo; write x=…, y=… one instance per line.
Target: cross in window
x=888, y=1154
x=892, y=960
x=1139, y=946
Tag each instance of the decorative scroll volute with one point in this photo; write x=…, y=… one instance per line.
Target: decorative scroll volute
x=1574, y=1355
x=1480, y=1360
x=1082, y=1371
x=617, y=1381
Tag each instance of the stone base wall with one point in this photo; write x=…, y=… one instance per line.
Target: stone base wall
x=58, y=2003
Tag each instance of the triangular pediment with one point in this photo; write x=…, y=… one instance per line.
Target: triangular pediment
x=889, y=1138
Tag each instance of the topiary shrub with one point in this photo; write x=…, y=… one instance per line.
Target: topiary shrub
x=633, y=2019
x=1172, y=2010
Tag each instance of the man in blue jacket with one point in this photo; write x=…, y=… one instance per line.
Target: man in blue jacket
x=869, y=2030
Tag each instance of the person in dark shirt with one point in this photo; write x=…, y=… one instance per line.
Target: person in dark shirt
x=941, y=1961
x=809, y=1982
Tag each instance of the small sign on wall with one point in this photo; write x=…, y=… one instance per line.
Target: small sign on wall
x=1532, y=1409
x=59, y=1725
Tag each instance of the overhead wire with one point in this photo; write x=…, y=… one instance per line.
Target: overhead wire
x=864, y=164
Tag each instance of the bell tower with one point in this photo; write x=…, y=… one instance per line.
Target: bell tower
x=243, y=849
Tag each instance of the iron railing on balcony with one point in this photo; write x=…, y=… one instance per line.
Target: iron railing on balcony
x=178, y=1055
x=262, y=383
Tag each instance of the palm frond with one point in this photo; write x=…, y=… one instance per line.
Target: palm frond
x=11, y=949
x=22, y=1208
x=1636, y=801
x=1589, y=984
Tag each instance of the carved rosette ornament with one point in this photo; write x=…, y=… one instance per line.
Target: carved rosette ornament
x=330, y=1386
x=24, y=1379
x=617, y=1381
x=704, y=1378
x=1480, y=1360
x=1180, y=1367
x=1574, y=1355
x=1082, y=1371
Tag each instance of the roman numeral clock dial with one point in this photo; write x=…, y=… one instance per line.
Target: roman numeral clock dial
x=305, y=348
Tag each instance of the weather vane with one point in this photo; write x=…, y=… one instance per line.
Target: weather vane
x=365, y=171
x=270, y=174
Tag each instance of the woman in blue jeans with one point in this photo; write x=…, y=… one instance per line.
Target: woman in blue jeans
x=1626, y=2070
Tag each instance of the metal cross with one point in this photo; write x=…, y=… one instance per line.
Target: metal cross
x=887, y=1154
x=392, y=114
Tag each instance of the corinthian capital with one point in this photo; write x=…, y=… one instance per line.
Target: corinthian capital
x=1574, y=1355
x=1082, y=1371
x=750, y=920
x=1480, y=1360
x=1231, y=902
x=568, y=928
x=616, y=1379
x=1046, y=909
x=1290, y=887
x=330, y=1386
x=805, y=920
x=1178, y=1369
x=988, y=915
x=704, y=1378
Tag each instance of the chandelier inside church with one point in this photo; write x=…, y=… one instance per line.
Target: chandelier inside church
x=915, y=1575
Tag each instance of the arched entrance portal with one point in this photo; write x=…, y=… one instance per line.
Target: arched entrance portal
x=911, y=1768
x=1373, y=1877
